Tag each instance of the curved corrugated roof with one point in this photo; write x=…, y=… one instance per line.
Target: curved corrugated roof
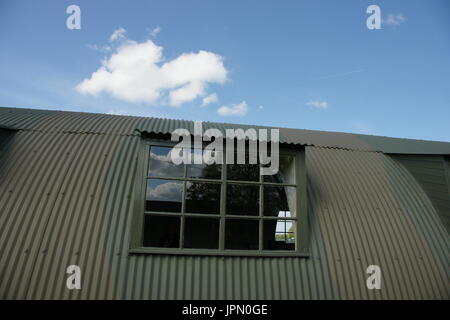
x=67, y=199
x=64, y=121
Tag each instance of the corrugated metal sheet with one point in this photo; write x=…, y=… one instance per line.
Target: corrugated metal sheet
x=62, y=121
x=66, y=198
x=430, y=172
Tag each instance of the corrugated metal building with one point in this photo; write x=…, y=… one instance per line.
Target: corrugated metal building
x=66, y=196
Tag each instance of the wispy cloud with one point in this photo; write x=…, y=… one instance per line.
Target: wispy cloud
x=318, y=104
x=103, y=49
x=137, y=72
x=212, y=98
x=393, y=19
x=155, y=31
x=239, y=109
x=118, y=34
x=337, y=75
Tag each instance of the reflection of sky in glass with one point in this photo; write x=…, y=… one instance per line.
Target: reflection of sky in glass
x=161, y=163
x=164, y=190
x=194, y=169
x=202, y=170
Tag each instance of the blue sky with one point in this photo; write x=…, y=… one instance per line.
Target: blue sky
x=300, y=64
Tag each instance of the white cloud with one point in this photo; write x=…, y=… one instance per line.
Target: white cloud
x=99, y=48
x=212, y=98
x=118, y=34
x=155, y=31
x=318, y=104
x=168, y=191
x=135, y=73
x=233, y=110
x=261, y=107
x=394, y=19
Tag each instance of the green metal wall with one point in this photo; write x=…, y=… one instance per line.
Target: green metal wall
x=66, y=198
x=431, y=173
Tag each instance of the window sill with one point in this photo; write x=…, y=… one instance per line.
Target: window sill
x=223, y=253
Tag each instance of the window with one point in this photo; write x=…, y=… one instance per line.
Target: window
x=221, y=209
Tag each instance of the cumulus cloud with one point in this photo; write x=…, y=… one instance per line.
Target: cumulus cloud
x=165, y=191
x=137, y=72
x=318, y=104
x=212, y=98
x=239, y=109
x=394, y=19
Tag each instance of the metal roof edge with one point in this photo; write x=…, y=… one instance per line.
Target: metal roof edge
x=33, y=119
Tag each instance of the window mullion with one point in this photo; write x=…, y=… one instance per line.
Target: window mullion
x=261, y=213
x=223, y=198
x=183, y=208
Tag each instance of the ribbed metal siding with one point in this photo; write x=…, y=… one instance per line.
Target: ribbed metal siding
x=374, y=212
x=62, y=121
x=66, y=199
x=430, y=172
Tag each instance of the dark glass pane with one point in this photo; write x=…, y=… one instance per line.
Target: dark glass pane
x=161, y=164
x=243, y=172
x=163, y=195
x=242, y=200
x=204, y=171
x=202, y=197
x=242, y=234
x=161, y=231
x=201, y=233
x=286, y=172
x=278, y=201
x=279, y=235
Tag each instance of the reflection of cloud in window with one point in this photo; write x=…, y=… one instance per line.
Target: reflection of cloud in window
x=161, y=163
x=165, y=191
x=160, y=157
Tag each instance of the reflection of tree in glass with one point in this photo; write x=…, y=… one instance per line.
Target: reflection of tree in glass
x=202, y=191
x=204, y=171
x=247, y=172
x=243, y=199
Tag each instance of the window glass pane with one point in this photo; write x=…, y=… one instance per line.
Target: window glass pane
x=161, y=164
x=204, y=171
x=279, y=234
x=241, y=234
x=161, y=231
x=163, y=195
x=202, y=197
x=279, y=199
x=201, y=233
x=242, y=200
x=286, y=171
x=243, y=172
